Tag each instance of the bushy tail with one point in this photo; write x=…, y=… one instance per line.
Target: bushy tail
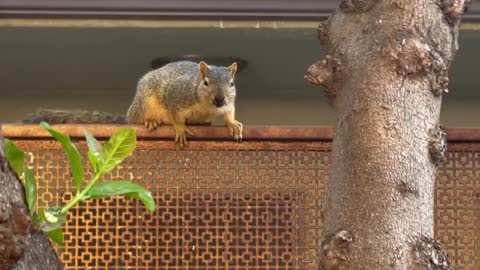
x=74, y=117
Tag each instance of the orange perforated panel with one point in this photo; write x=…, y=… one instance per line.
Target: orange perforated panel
x=219, y=206
x=457, y=205
x=222, y=205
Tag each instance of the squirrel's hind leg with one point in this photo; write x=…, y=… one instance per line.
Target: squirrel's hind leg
x=155, y=113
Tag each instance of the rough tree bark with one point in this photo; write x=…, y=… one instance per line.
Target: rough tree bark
x=385, y=72
x=21, y=246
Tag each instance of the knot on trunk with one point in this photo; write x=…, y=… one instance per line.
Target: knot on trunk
x=323, y=34
x=414, y=57
x=437, y=145
x=14, y=226
x=4, y=209
x=325, y=73
x=430, y=253
x=6, y=242
x=334, y=250
x=11, y=249
x=454, y=9
x=358, y=6
x=406, y=188
x=439, y=84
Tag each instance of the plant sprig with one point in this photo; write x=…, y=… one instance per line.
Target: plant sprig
x=103, y=158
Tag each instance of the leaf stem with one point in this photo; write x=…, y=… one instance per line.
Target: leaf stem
x=80, y=196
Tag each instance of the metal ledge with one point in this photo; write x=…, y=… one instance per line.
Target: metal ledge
x=181, y=9
x=179, y=15
x=86, y=14
x=251, y=133
x=19, y=131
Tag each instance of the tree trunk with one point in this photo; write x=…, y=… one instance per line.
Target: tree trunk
x=384, y=74
x=21, y=246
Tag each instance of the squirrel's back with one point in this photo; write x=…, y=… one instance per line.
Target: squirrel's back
x=152, y=87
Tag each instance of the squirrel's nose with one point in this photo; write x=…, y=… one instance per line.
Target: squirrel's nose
x=219, y=101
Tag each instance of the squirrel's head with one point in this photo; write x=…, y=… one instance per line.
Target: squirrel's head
x=217, y=84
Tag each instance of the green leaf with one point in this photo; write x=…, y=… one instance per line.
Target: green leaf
x=94, y=149
x=53, y=218
x=128, y=189
x=15, y=156
x=40, y=217
x=94, y=161
x=93, y=145
x=56, y=235
x=53, y=230
x=72, y=153
x=120, y=146
x=30, y=190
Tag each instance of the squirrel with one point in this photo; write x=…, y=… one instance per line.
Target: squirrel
x=177, y=94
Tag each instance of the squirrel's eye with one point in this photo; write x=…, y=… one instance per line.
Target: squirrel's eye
x=231, y=84
x=205, y=83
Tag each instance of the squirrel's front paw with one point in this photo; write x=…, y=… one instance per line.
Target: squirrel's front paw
x=236, y=130
x=181, y=132
x=151, y=124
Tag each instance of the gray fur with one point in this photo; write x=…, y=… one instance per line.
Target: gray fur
x=180, y=85
x=154, y=83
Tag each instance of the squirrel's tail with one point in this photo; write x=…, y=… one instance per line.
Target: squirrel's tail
x=74, y=117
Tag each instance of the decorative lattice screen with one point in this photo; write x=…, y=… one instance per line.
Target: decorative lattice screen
x=222, y=205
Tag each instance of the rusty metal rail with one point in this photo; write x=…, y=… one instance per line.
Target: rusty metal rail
x=167, y=132
x=253, y=133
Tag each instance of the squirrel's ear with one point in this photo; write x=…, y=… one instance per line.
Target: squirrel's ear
x=233, y=68
x=203, y=68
